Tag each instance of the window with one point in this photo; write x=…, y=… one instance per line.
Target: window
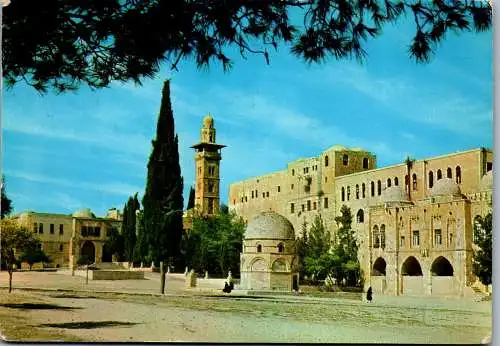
x=342, y=194
x=451, y=238
x=210, y=210
x=414, y=177
x=281, y=247
x=40, y=228
x=303, y=207
x=376, y=237
x=489, y=166
x=379, y=187
x=259, y=248
x=252, y=194
x=83, y=231
x=308, y=205
x=256, y=193
x=61, y=228
x=439, y=175
x=267, y=194
x=279, y=188
x=448, y=173
x=292, y=208
x=345, y=160
x=199, y=170
x=293, y=172
x=51, y=228
x=60, y=247
x=389, y=182
x=326, y=179
x=314, y=205
x=360, y=216
x=326, y=161
x=348, y=192
x=437, y=237
x=35, y=227
x=291, y=187
x=263, y=195
x=325, y=204
x=210, y=186
x=363, y=190
x=373, y=188
x=407, y=180
x=431, y=179
x=458, y=175
x=402, y=241
x=365, y=162
x=357, y=191
x=416, y=238
x=396, y=181
x=246, y=198
x=382, y=236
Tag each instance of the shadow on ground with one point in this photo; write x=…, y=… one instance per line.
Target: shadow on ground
x=37, y=306
x=71, y=296
x=87, y=324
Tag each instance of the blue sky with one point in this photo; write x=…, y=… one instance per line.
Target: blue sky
x=90, y=149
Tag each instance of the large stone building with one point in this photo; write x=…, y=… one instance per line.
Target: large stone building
x=64, y=238
x=414, y=222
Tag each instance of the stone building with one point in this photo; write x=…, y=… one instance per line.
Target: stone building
x=422, y=213
x=269, y=260
x=64, y=238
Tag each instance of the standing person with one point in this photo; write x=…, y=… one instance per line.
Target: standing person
x=369, y=294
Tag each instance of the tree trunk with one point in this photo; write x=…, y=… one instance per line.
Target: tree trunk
x=87, y=277
x=162, y=278
x=10, y=281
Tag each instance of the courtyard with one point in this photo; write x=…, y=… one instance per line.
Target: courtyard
x=56, y=307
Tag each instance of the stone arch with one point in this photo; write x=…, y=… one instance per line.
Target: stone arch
x=396, y=182
x=411, y=267
x=88, y=250
x=258, y=265
x=360, y=216
x=279, y=265
x=449, y=174
x=379, y=267
x=439, y=175
x=441, y=267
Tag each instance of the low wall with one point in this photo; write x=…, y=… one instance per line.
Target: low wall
x=106, y=274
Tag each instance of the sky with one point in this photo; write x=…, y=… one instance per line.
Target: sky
x=90, y=149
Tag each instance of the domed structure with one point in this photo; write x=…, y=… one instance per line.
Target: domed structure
x=208, y=122
x=86, y=212
x=446, y=187
x=486, y=183
x=394, y=194
x=269, y=260
x=270, y=225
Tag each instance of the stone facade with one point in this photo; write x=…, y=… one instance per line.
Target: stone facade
x=65, y=237
x=269, y=260
x=445, y=193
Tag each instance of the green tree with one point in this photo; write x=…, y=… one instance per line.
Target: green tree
x=301, y=244
x=64, y=43
x=34, y=255
x=163, y=202
x=141, y=246
x=482, y=266
x=115, y=243
x=191, y=199
x=129, y=227
x=5, y=203
x=346, y=250
x=317, y=257
x=14, y=239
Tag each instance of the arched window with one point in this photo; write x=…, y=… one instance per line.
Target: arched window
x=388, y=182
x=348, y=192
x=259, y=248
x=439, y=174
x=396, y=182
x=376, y=237
x=293, y=171
x=357, y=191
x=373, y=188
x=414, y=177
x=360, y=216
x=342, y=194
x=379, y=187
x=458, y=175
x=431, y=179
x=365, y=162
x=382, y=236
x=345, y=160
x=448, y=173
x=407, y=180
x=363, y=190
x=281, y=247
x=326, y=161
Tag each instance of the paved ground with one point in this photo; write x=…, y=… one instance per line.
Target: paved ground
x=186, y=315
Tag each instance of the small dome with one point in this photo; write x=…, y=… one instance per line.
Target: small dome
x=84, y=213
x=337, y=147
x=446, y=187
x=208, y=122
x=486, y=182
x=269, y=225
x=394, y=194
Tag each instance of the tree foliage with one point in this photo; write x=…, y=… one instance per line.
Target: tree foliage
x=13, y=241
x=214, y=243
x=482, y=265
x=163, y=202
x=64, y=43
x=115, y=243
x=191, y=198
x=32, y=255
x=129, y=227
x=315, y=247
x=5, y=203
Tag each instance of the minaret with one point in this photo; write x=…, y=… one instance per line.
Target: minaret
x=207, y=161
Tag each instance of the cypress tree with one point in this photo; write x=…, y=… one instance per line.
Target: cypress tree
x=191, y=199
x=163, y=202
x=129, y=226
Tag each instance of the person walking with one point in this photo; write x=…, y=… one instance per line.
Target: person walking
x=369, y=294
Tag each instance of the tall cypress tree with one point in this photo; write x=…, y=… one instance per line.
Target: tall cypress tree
x=191, y=199
x=163, y=202
x=129, y=226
